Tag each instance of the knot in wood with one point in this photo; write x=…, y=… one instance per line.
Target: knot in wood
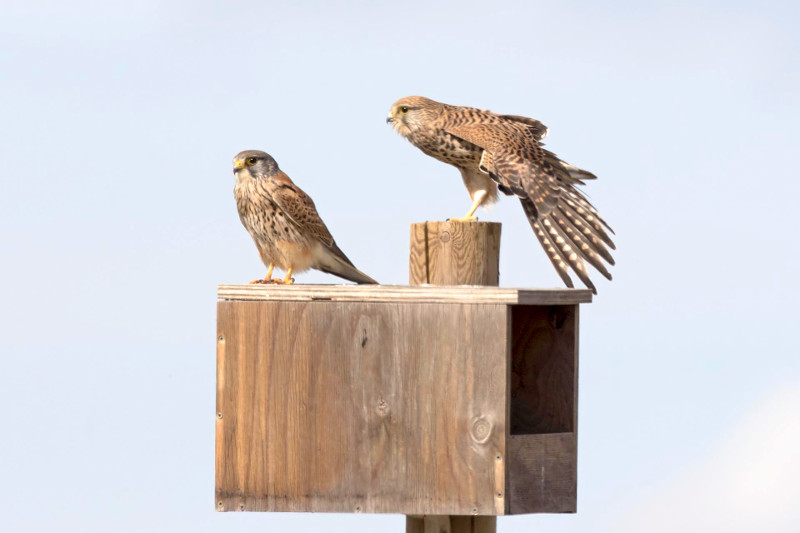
x=444, y=236
x=481, y=429
x=383, y=407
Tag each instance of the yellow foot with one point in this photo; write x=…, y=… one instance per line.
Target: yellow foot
x=289, y=281
x=265, y=281
x=468, y=218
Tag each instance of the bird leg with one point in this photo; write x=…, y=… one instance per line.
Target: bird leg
x=267, y=278
x=470, y=216
x=288, y=280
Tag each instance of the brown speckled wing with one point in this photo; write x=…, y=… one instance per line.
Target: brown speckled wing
x=566, y=224
x=536, y=129
x=515, y=158
x=300, y=209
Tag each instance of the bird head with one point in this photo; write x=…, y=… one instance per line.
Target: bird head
x=255, y=164
x=412, y=113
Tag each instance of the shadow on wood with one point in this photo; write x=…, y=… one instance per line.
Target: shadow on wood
x=451, y=524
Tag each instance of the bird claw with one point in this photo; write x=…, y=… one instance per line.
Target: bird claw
x=470, y=218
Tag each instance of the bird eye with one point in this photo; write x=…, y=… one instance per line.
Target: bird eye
x=251, y=161
x=404, y=109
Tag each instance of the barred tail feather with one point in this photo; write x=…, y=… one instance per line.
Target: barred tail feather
x=580, y=245
x=568, y=252
x=549, y=248
x=589, y=218
x=586, y=210
x=598, y=238
x=563, y=246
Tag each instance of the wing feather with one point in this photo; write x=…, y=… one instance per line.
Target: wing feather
x=300, y=209
x=567, y=226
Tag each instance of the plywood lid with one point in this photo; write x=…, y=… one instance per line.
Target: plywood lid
x=405, y=293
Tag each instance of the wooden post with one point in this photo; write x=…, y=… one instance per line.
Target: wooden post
x=451, y=524
x=454, y=253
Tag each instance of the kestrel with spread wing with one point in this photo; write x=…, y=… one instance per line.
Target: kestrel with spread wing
x=284, y=222
x=505, y=152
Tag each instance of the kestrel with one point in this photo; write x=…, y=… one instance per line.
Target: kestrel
x=505, y=152
x=284, y=222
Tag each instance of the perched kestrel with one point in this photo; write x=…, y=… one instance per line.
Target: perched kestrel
x=505, y=152
x=284, y=222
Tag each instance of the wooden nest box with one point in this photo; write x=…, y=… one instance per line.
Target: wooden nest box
x=417, y=400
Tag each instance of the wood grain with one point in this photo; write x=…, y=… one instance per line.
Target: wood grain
x=450, y=404
x=403, y=293
x=461, y=253
x=543, y=428
x=361, y=407
x=455, y=253
x=451, y=524
x=543, y=369
x=543, y=473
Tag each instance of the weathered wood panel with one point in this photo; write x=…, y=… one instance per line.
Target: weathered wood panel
x=542, y=474
x=362, y=407
x=543, y=427
x=451, y=524
x=403, y=293
x=455, y=253
x=543, y=369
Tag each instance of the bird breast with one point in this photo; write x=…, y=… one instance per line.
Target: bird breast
x=262, y=216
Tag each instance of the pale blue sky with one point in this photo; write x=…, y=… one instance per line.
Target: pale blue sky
x=117, y=128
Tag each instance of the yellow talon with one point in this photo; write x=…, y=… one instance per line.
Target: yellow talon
x=288, y=280
x=479, y=197
x=468, y=218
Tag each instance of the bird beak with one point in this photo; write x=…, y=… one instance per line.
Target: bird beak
x=389, y=119
x=238, y=164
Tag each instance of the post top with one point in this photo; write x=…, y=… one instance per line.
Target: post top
x=470, y=294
